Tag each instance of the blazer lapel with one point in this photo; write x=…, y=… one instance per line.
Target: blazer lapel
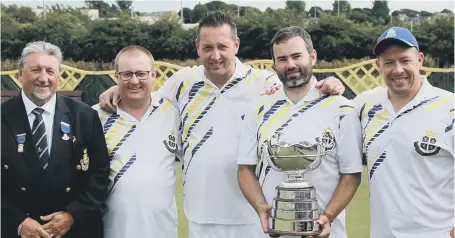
x=17, y=120
x=58, y=151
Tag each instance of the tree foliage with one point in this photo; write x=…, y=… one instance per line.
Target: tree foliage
x=348, y=36
x=296, y=5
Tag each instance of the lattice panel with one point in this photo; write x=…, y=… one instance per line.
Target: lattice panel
x=358, y=77
x=70, y=78
x=261, y=64
x=163, y=72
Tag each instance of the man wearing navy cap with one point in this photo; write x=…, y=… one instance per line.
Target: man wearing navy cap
x=408, y=142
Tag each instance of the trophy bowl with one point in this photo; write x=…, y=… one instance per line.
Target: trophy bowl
x=295, y=206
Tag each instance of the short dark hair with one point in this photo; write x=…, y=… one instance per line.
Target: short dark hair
x=216, y=19
x=286, y=33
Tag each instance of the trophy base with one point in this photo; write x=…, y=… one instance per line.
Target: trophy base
x=295, y=210
x=294, y=228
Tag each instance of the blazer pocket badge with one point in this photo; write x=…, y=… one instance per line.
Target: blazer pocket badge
x=85, y=161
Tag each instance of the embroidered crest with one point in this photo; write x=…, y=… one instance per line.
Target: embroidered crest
x=85, y=161
x=427, y=146
x=328, y=139
x=170, y=143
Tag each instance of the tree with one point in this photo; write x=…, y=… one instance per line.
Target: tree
x=105, y=10
x=217, y=5
x=345, y=6
x=186, y=15
x=426, y=14
x=447, y=11
x=125, y=5
x=381, y=10
x=298, y=6
x=315, y=12
x=20, y=14
x=410, y=12
x=199, y=12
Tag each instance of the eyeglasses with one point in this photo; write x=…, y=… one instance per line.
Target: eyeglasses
x=141, y=75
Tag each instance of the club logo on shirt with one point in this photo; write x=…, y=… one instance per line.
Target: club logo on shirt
x=427, y=146
x=328, y=139
x=170, y=143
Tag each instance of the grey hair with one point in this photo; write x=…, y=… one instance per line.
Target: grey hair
x=286, y=33
x=41, y=47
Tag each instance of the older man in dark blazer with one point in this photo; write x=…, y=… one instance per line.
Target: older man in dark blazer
x=54, y=158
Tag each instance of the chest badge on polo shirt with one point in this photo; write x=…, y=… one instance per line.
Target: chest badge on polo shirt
x=85, y=161
x=328, y=139
x=170, y=143
x=427, y=145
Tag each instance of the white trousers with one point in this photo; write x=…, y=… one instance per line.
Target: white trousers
x=197, y=230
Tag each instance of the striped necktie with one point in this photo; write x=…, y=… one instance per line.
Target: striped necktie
x=40, y=137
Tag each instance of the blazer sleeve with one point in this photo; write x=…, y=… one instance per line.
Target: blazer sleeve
x=12, y=217
x=91, y=199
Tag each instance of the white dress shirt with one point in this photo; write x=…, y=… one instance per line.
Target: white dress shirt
x=48, y=115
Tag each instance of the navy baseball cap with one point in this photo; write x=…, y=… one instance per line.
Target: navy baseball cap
x=399, y=35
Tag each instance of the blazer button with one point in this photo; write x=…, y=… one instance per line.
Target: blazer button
x=23, y=189
x=5, y=166
x=68, y=190
x=78, y=167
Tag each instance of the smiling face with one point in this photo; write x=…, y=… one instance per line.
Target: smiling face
x=39, y=77
x=135, y=76
x=400, y=68
x=293, y=62
x=217, y=47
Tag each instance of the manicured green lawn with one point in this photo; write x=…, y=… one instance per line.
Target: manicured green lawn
x=358, y=220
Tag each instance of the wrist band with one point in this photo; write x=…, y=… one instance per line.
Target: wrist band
x=19, y=229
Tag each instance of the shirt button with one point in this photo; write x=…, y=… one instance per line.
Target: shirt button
x=68, y=190
x=23, y=189
x=5, y=166
x=78, y=167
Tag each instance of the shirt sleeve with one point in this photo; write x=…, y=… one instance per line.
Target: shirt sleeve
x=248, y=140
x=349, y=141
x=269, y=78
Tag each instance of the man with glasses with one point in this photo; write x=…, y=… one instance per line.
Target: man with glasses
x=141, y=191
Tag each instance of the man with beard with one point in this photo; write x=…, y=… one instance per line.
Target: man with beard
x=212, y=99
x=408, y=143
x=301, y=113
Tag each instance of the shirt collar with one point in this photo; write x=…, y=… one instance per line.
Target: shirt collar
x=48, y=107
x=157, y=100
x=312, y=94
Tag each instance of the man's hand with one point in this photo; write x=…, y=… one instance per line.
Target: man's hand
x=263, y=211
x=272, y=89
x=109, y=99
x=330, y=85
x=32, y=229
x=452, y=233
x=324, y=226
x=59, y=223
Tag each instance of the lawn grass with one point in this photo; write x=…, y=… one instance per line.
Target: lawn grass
x=357, y=218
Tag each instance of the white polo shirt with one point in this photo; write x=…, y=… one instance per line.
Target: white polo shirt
x=210, y=128
x=311, y=116
x=141, y=192
x=410, y=158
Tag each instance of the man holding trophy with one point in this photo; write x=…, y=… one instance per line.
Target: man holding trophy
x=300, y=150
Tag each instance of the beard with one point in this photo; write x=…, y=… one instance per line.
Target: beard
x=296, y=82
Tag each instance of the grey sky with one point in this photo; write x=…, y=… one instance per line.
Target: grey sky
x=161, y=5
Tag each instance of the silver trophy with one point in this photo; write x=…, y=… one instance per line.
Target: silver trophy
x=295, y=206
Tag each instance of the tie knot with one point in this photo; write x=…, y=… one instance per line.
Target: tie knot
x=38, y=111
